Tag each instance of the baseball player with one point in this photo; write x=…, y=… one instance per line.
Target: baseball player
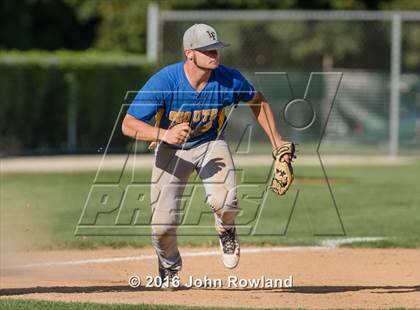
x=187, y=101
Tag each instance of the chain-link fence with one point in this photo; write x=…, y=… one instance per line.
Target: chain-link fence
x=378, y=101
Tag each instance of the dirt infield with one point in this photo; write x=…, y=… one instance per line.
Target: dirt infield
x=322, y=277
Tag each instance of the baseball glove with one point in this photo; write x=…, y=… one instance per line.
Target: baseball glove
x=283, y=171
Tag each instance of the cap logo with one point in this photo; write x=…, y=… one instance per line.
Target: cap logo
x=212, y=35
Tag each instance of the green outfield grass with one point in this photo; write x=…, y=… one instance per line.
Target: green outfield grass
x=46, y=305
x=41, y=210
x=328, y=148
x=12, y=304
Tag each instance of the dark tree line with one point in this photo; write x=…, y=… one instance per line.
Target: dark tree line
x=121, y=24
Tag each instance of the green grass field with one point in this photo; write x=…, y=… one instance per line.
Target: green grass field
x=10, y=304
x=41, y=210
x=335, y=148
x=46, y=305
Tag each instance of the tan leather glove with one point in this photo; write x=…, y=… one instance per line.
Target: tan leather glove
x=283, y=171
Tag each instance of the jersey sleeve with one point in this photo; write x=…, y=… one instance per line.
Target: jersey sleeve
x=243, y=90
x=149, y=99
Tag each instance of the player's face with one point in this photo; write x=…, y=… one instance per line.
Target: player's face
x=207, y=59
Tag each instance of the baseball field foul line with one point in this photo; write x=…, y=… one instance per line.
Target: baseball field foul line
x=150, y=257
x=326, y=245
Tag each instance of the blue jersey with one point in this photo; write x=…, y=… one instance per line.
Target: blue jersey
x=169, y=99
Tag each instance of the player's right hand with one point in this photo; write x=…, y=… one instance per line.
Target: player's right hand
x=177, y=134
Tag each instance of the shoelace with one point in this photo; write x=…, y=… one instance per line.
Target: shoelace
x=228, y=241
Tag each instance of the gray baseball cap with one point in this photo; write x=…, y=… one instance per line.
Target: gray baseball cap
x=202, y=37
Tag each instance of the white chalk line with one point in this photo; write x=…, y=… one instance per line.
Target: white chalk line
x=334, y=243
x=325, y=245
x=151, y=257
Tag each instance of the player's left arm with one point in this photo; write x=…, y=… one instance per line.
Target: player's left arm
x=265, y=117
x=283, y=152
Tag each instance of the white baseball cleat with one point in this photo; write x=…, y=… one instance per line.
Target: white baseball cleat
x=229, y=245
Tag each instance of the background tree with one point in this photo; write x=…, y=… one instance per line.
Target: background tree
x=120, y=25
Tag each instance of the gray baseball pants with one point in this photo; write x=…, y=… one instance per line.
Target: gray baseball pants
x=214, y=166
